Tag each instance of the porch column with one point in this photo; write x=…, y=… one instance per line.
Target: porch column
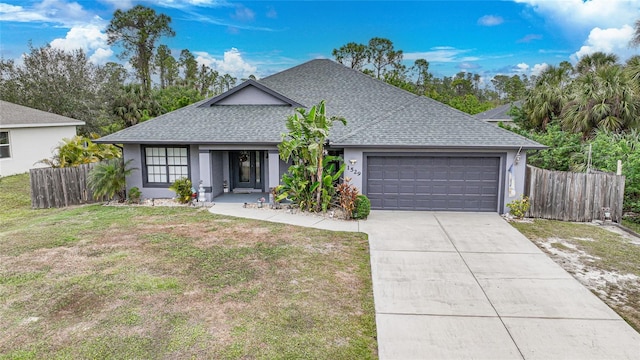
x=274, y=168
x=205, y=172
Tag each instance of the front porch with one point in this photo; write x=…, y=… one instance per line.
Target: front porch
x=238, y=175
x=242, y=198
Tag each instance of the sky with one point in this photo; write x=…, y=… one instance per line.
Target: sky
x=262, y=37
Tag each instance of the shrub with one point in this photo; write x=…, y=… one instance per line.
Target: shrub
x=108, y=178
x=134, y=195
x=519, y=207
x=183, y=189
x=348, y=195
x=362, y=207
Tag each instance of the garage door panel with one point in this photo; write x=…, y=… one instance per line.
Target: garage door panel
x=456, y=183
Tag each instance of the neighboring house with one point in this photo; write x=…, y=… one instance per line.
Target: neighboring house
x=499, y=114
x=402, y=150
x=28, y=135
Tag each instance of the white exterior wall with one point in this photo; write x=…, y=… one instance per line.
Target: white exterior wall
x=30, y=145
x=358, y=176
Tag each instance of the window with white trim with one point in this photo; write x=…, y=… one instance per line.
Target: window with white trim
x=164, y=165
x=5, y=150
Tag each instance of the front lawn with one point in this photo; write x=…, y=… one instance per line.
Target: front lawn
x=176, y=282
x=605, y=260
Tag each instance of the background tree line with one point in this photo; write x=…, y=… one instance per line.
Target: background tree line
x=380, y=59
x=108, y=97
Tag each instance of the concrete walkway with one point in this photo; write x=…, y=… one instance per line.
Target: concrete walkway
x=468, y=285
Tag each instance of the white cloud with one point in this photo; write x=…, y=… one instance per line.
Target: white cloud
x=53, y=11
x=243, y=14
x=611, y=40
x=587, y=14
x=522, y=68
x=89, y=38
x=231, y=63
x=490, y=20
x=443, y=54
x=539, y=68
x=18, y=14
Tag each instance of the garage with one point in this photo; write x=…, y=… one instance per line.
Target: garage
x=445, y=183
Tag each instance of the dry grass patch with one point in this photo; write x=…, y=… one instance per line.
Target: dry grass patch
x=605, y=261
x=151, y=282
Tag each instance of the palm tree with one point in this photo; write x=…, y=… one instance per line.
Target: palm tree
x=632, y=68
x=606, y=98
x=635, y=40
x=108, y=179
x=545, y=101
x=594, y=61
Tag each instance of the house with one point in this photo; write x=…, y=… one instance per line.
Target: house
x=402, y=150
x=499, y=114
x=28, y=135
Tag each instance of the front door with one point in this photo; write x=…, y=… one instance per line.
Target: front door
x=246, y=169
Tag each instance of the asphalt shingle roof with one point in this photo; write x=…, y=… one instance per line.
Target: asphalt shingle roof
x=377, y=114
x=498, y=113
x=18, y=116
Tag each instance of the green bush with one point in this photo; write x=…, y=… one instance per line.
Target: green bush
x=362, y=208
x=134, y=195
x=519, y=207
x=108, y=179
x=183, y=189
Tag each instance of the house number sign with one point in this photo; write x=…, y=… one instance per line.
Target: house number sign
x=354, y=171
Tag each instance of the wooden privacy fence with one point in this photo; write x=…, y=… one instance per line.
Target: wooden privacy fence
x=570, y=196
x=58, y=187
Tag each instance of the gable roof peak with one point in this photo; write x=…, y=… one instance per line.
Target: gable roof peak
x=250, y=83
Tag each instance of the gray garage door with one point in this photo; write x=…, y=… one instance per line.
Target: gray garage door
x=454, y=183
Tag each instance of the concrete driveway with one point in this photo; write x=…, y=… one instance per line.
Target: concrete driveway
x=468, y=285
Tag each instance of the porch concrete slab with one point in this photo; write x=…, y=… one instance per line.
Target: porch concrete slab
x=426, y=283
x=443, y=337
x=514, y=266
x=574, y=338
x=545, y=298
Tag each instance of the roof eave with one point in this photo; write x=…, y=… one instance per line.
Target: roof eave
x=444, y=147
x=40, y=125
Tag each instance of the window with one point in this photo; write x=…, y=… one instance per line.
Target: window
x=164, y=165
x=5, y=151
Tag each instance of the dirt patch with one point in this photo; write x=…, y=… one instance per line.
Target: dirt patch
x=618, y=286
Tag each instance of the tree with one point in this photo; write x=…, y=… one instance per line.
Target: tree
x=61, y=82
x=167, y=66
x=307, y=182
x=133, y=105
x=81, y=150
x=189, y=66
x=352, y=55
x=635, y=39
x=544, y=103
x=423, y=76
x=604, y=98
x=381, y=55
x=176, y=96
x=207, y=78
x=592, y=62
x=108, y=179
x=138, y=30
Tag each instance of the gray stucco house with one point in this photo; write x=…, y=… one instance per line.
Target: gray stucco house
x=403, y=151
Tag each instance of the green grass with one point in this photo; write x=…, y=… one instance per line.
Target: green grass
x=176, y=282
x=631, y=225
x=609, y=251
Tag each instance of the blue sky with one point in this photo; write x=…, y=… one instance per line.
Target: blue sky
x=262, y=37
